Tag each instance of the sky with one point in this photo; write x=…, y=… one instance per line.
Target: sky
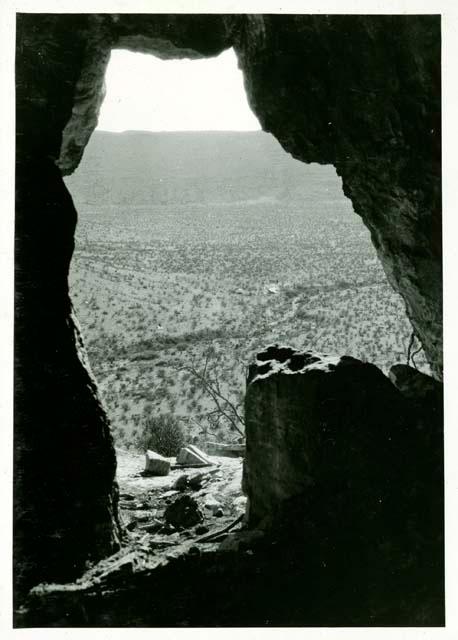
x=149, y=94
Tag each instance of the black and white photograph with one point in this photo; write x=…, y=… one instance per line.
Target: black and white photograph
x=228, y=318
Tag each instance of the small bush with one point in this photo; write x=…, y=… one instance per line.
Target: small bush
x=162, y=433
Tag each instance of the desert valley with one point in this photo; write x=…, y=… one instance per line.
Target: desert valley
x=196, y=250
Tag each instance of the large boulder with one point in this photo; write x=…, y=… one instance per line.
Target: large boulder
x=338, y=465
x=155, y=464
x=320, y=421
x=192, y=456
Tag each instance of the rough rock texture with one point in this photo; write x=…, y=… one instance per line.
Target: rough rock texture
x=165, y=36
x=335, y=454
x=192, y=456
x=416, y=386
x=156, y=464
x=183, y=512
x=425, y=398
x=359, y=92
x=362, y=93
x=330, y=422
x=65, y=494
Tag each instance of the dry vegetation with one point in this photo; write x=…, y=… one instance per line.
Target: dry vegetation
x=161, y=288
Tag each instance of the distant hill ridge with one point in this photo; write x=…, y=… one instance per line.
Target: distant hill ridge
x=141, y=167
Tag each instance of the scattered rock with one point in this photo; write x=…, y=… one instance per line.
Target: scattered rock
x=212, y=504
x=241, y=540
x=156, y=465
x=129, y=506
x=273, y=288
x=195, y=481
x=141, y=517
x=167, y=529
x=201, y=529
x=183, y=512
x=151, y=527
x=192, y=456
x=169, y=494
x=240, y=504
x=181, y=483
x=219, y=513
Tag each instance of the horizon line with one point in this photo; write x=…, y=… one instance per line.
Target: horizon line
x=181, y=130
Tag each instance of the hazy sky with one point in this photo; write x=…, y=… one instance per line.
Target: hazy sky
x=144, y=92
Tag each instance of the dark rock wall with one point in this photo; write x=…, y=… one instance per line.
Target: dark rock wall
x=165, y=36
x=343, y=466
x=65, y=492
x=362, y=93
x=65, y=489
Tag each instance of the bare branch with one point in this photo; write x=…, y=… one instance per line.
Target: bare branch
x=209, y=380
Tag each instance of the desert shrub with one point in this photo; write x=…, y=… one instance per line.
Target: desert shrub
x=162, y=433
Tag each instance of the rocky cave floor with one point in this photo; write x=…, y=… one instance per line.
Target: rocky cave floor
x=211, y=496
x=213, y=571
x=208, y=523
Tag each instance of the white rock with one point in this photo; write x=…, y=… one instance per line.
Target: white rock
x=192, y=456
x=273, y=288
x=155, y=464
x=239, y=504
x=212, y=504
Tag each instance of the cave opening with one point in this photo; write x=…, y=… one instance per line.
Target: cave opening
x=374, y=491
x=199, y=242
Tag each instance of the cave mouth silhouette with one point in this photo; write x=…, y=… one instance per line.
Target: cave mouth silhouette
x=65, y=485
x=121, y=152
